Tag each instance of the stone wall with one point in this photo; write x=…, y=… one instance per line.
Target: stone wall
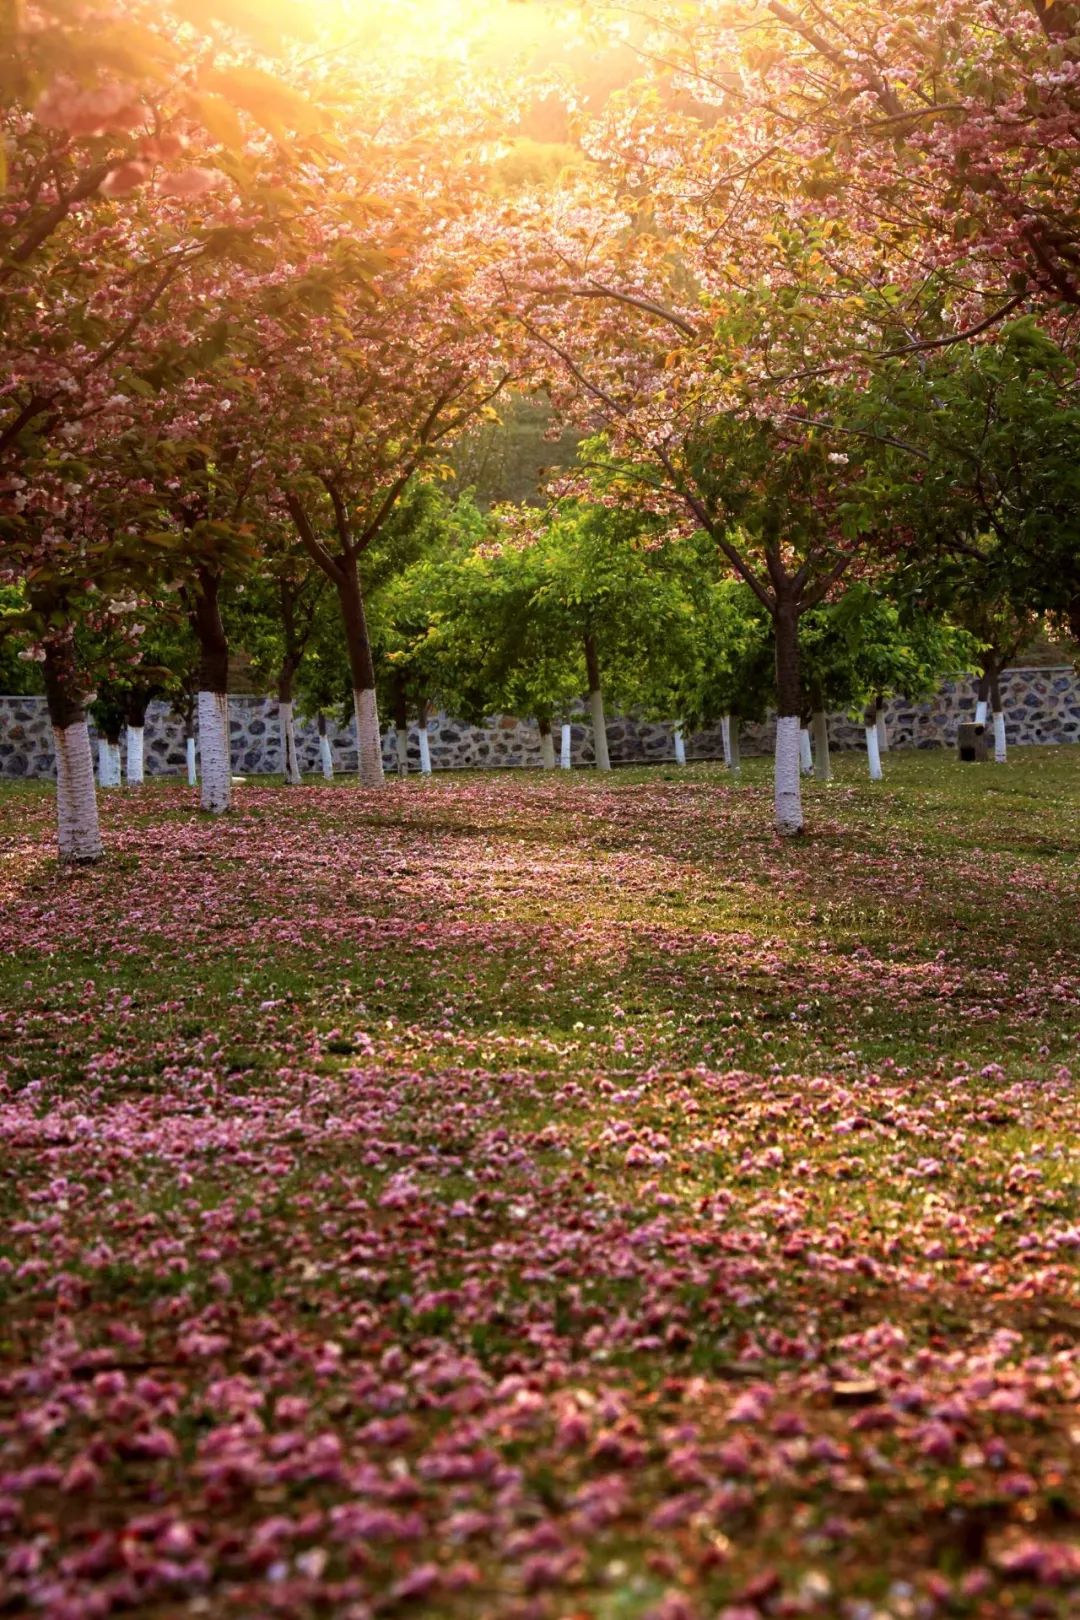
x=1041, y=706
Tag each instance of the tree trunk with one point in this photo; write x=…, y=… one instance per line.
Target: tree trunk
x=596, y=705
x=725, y=738
x=680, y=746
x=290, y=763
x=290, y=760
x=358, y=647
x=806, y=753
x=135, y=706
x=423, y=740
x=982, y=692
x=881, y=727
x=104, y=759
x=401, y=723
x=564, y=748
x=997, y=708
x=822, y=762
x=188, y=716
x=787, y=790
x=136, y=756
x=547, y=744
x=734, y=739
x=326, y=757
x=215, y=757
x=77, y=829
x=873, y=752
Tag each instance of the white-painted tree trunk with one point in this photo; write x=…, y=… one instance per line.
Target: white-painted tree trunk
x=425, y=751
x=787, y=784
x=733, y=752
x=980, y=712
x=547, y=751
x=114, y=764
x=564, y=749
x=326, y=757
x=192, y=771
x=136, y=756
x=806, y=757
x=822, y=761
x=215, y=758
x=78, y=833
x=1000, y=751
x=873, y=753
x=725, y=738
x=401, y=734
x=104, y=759
x=290, y=762
x=368, y=739
x=599, y=724
x=680, y=747
x=882, y=730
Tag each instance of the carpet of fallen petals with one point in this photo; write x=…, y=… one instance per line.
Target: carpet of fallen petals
x=517, y=1198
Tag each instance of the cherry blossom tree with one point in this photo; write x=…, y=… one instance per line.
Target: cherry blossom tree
x=905, y=144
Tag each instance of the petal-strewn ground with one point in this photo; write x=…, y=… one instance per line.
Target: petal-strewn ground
x=545, y=1198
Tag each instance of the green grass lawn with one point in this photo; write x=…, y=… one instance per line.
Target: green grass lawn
x=545, y=1197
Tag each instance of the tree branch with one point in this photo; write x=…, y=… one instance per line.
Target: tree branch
x=84, y=187
x=310, y=540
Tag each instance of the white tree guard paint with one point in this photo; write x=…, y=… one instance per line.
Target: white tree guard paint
x=980, y=712
x=425, y=751
x=873, y=753
x=192, y=771
x=215, y=761
x=734, y=745
x=787, y=786
x=368, y=739
x=547, y=751
x=104, y=760
x=78, y=834
x=290, y=762
x=599, y=725
x=326, y=758
x=725, y=738
x=882, y=732
x=136, y=756
x=822, y=760
x=680, y=747
x=401, y=734
x=564, y=749
x=1000, y=752
x=806, y=757
x=114, y=764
